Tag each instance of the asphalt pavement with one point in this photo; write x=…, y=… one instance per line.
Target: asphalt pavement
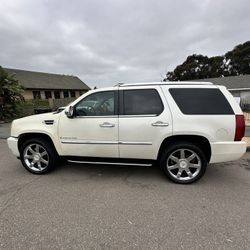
x=115, y=207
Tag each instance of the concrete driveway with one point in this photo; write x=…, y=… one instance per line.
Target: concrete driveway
x=112, y=207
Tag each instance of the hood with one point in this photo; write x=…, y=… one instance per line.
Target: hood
x=40, y=123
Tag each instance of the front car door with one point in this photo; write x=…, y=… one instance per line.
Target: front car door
x=144, y=121
x=93, y=131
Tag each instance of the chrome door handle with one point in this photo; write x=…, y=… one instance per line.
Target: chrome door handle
x=160, y=124
x=107, y=125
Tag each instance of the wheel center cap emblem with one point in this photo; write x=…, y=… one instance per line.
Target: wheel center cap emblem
x=183, y=164
x=36, y=157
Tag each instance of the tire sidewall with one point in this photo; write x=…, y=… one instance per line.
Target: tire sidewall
x=185, y=145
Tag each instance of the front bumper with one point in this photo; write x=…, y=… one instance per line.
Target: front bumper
x=13, y=145
x=227, y=151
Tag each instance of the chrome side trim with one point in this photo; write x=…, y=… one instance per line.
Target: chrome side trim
x=89, y=142
x=134, y=143
x=132, y=116
x=106, y=142
x=111, y=163
x=106, y=116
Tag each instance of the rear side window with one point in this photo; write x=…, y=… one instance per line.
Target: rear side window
x=193, y=101
x=142, y=102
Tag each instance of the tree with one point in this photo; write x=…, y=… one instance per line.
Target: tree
x=10, y=95
x=235, y=62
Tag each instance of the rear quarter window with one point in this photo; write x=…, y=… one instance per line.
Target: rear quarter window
x=195, y=101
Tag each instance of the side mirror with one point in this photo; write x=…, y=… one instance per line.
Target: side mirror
x=70, y=112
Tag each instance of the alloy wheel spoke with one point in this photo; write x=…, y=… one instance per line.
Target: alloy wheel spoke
x=182, y=154
x=191, y=157
x=197, y=166
x=31, y=150
x=39, y=165
x=173, y=158
x=44, y=153
x=173, y=167
x=189, y=173
x=37, y=148
x=28, y=157
x=44, y=161
x=179, y=173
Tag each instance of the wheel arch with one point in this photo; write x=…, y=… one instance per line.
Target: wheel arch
x=201, y=141
x=26, y=136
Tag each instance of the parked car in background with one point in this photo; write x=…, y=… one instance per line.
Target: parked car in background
x=181, y=126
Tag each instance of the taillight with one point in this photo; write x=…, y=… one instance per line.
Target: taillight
x=240, y=127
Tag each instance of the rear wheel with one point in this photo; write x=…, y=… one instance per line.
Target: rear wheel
x=38, y=156
x=183, y=162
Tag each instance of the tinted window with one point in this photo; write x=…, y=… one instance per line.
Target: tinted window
x=142, y=102
x=98, y=104
x=193, y=101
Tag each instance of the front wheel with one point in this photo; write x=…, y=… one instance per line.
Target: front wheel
x=38, y=156
x=183, y=162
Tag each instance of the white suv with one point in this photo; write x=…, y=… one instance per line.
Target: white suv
x=182, y=126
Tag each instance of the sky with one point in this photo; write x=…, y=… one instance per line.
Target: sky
x=107, y=42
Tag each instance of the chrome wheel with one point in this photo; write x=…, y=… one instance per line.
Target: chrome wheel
x=183, y=164
x=36, y=157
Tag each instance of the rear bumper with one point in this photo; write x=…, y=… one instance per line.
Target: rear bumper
x=227, y=151
x=13, y=145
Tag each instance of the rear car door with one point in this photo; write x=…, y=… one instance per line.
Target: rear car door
x=144, y=121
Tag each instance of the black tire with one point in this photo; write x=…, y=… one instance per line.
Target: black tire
x=188, y=168
x=44, y=145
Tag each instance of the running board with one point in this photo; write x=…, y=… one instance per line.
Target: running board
x=111, y=163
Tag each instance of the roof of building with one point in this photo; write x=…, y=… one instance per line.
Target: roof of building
x=231, y=82
x=40, y=80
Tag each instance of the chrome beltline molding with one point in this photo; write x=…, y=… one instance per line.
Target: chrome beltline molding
x=104, y=142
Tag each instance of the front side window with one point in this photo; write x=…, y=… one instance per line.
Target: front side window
x=142, y=102
x=97, y=104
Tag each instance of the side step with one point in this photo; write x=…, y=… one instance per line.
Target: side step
x=111, y=163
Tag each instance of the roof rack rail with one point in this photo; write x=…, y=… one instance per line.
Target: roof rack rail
x=163, y=83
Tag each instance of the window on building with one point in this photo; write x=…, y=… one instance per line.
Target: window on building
x=48, y=94
x=66, y=94
x=57, y=94
x=72, y=93
x=142, y=102
x=36, y=94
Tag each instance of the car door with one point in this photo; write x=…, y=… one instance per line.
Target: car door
x=144, y=121
x=93, y=131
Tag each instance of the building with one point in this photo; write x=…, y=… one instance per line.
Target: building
x=40, y=85
x=239, y=86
